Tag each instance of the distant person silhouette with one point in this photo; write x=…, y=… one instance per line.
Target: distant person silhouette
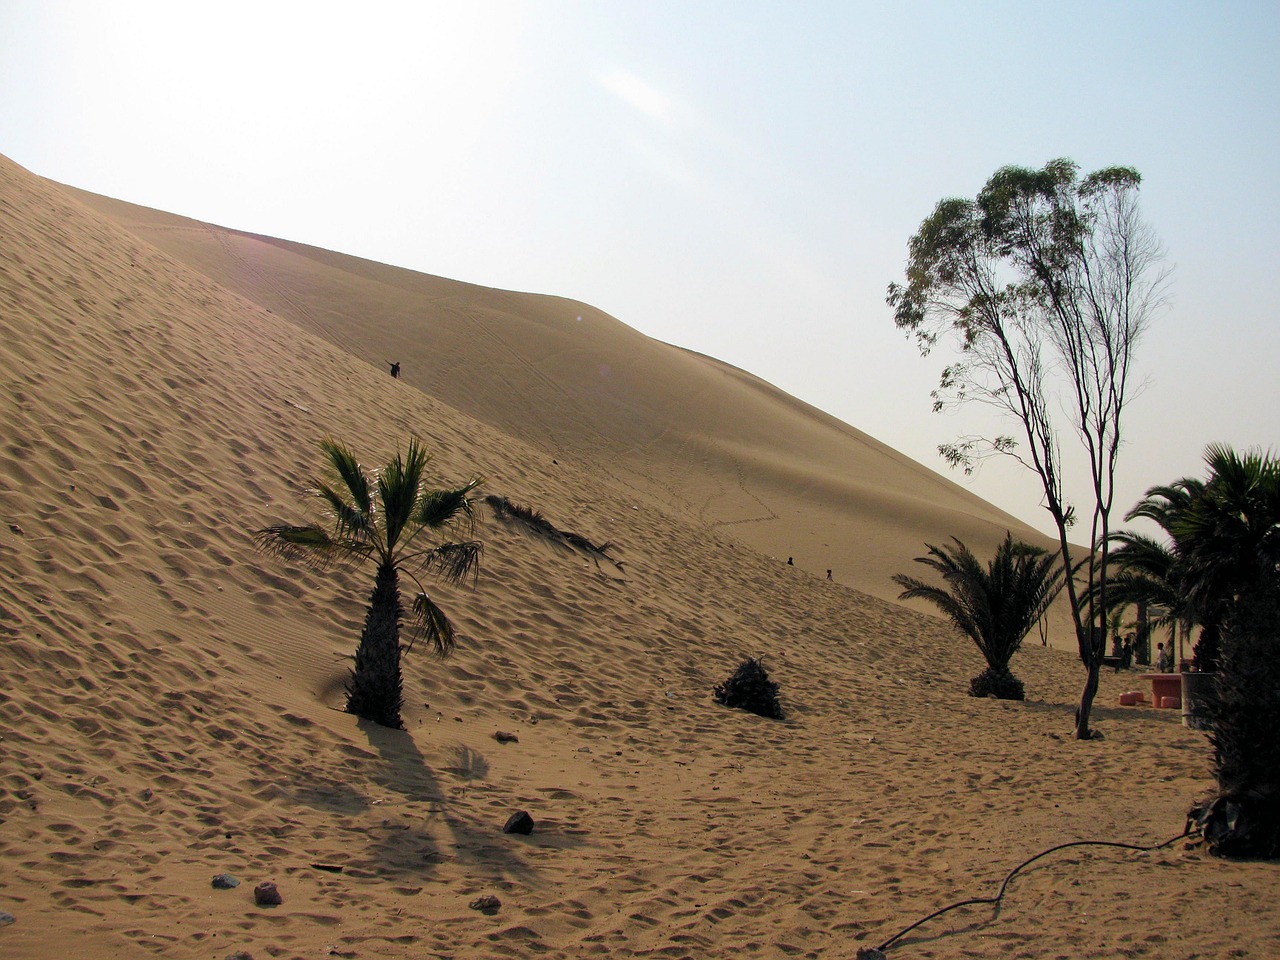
x=828, y=574
x=790, y=562
x=395, y=370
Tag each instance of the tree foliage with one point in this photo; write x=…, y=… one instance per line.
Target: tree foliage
x=1043, y=286
x=1231, y=533
x=406, y=528
x=996, y=605
x=1147, y=570
x=1229, y=539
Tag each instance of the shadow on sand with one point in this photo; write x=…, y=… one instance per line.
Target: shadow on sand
x=422, y=830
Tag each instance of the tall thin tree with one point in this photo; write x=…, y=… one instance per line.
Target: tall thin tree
x=1045, y=284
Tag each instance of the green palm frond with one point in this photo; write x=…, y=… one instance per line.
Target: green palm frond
x=429, y=622
x=949, y=605
x=311, y=543
x=1144, y=554
x=1231, y=533
x=455, y=561
x=1126, y=589
x=439, y=508
x=349, y=471
x=348, y=520
x=1143, y=570
x=399, y=486
x=1163, y=503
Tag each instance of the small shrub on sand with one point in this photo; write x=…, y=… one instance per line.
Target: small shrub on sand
x=751, y=689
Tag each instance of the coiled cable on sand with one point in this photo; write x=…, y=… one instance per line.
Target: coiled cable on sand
x=876, y=953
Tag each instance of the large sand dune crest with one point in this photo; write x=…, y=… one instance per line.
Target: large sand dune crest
x=170, y=708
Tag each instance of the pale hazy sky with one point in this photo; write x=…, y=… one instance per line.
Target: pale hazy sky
x=739, y=178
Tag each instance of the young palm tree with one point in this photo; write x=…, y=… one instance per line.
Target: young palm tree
x=1231, y=541
x=997, y=605
x=394, y=520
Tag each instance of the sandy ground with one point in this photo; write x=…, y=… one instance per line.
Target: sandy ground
x=171, y=704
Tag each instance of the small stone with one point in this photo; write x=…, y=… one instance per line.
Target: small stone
x=240, y=955
x=266, y=894
x=7, y=918
x=503, y=736
x=225, y=881
x=519, y=822
x=486, y=904
x=147, y=794
x=870, y=953
x=16, y=529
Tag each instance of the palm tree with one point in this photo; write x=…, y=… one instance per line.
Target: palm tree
x=1153, y=572
x=394, y=520
x=996, y=606
x=1230, y=538
x=1232, y=531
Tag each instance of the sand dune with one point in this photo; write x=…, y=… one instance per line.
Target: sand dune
x=684, y=431
x=170, y=706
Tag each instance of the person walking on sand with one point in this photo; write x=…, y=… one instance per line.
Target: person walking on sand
x=395, y=370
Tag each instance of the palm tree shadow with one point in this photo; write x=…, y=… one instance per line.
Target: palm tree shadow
x=403, y=769
x=467, y=764
x=421, y=830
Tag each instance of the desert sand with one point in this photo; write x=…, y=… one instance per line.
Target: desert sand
x=172, y=700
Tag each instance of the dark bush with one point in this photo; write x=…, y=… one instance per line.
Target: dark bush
x=751, y=689
x=1001, y=684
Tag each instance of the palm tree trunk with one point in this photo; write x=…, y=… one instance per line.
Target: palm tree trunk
x=375, y=691
x=1243, y=819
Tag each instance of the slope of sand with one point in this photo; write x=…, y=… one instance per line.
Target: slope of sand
x=169, y=710
x=683, y=431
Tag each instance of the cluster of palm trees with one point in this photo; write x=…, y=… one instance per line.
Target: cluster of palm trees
x=1217, y=567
